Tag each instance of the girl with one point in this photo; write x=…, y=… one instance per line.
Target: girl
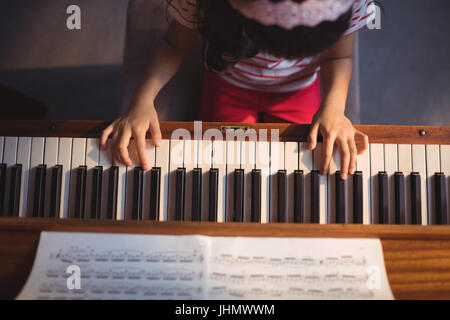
x=262, y=59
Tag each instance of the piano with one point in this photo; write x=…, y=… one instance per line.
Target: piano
x=230, y=179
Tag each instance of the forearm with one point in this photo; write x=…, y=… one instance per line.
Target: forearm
x=336, y=67
x=164, y=63
x=335, y=77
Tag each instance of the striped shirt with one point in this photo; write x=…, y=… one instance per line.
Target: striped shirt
x=265, y=72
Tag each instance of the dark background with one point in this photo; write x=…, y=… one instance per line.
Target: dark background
x=404, y=67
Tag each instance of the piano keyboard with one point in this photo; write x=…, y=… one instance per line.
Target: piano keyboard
x=223, y=181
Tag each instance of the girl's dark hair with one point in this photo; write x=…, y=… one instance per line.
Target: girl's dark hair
x=230, y=37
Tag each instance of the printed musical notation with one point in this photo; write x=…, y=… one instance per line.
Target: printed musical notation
x=231, y=259
x=122, y=266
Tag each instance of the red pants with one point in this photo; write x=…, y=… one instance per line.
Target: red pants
x=225, y=102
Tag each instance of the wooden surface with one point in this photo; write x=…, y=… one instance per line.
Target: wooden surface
x=287, y=132
x=417, y=258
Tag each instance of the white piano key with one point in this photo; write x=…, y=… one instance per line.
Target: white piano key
x=323, y=185
x=64, y=159
x=78, y=159
x=363, y=165
x=122, y=192
x=292, y=164
x=10, y=151
x=204, y=162
x=349, y=199
x=23, y=158
x=50, y=160
x=433, y=166
x=136, y=162
x=91, y=161
x=162, y=161
x=405, y=166
x=376, y=166
x=105, y=160
x=36, y=159
x=306, y=163
x=335, y=165
x=190, y=162
x=219, y=161
x=263, y=163
x=391, y=167
x=2, y=141
x=419, y=165
x=129, y=191
x=9, y=158
x=233, y=163
x=276, y=163
x=176, y=161
x=151, y=153
x=445, y=168
x=248, y=161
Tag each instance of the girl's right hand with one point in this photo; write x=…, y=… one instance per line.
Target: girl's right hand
x=134, y=123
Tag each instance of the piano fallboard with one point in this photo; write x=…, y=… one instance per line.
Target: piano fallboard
x=287, y=132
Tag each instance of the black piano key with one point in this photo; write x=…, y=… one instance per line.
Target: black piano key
x=113, y=185
x=213, y=194
x=96, y=197
x=416, y=199
x=400, y=195
x=39, y=191
x=299, y=207
x=340, y=198
x=80, y=192
x=440, y=198
x=358, y=197
x=238, y=195
x=155, y=182
x=197, y=194
x=315, y=196
x=138, y=185
x=383, y=198
x=2, y=187
x=256, y=196
x=282, y=196
x=14, y=192
x=55, y=191
x=180, y=194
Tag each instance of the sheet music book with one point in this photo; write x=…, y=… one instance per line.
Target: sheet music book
x=129, y=266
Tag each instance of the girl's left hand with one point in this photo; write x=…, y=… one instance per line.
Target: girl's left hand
x=337, y=129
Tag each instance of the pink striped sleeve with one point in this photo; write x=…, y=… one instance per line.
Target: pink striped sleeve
x=363, y=12
x=183, y=11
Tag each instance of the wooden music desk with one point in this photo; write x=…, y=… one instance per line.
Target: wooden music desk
x=417, y=258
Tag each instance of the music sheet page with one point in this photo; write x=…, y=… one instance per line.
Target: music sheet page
x=128, y=266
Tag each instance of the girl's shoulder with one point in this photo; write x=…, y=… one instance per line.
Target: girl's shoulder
x=363, y=12
x=184, y=11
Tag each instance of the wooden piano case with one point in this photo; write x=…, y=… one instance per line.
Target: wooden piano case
x=417, y=258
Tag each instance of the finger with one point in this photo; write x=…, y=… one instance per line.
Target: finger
x=365, y=144
x=328, y=145
x=155, y=130
x=105, y=135
x=312, y=137
x=141, y=150
x=345, y=158
x=123, y=148
x=353, y=156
